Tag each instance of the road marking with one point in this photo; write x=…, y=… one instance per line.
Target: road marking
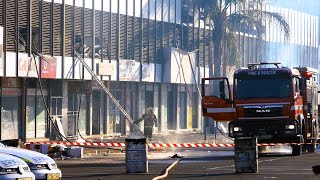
x=221, y=167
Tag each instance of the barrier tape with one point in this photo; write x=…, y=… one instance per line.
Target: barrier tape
x=154, y=145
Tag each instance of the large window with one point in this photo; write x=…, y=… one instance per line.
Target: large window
x=77, y=116
x=10, y=125
x=36, y=113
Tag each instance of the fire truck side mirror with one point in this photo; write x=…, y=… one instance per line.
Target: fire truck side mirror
x=222, y=90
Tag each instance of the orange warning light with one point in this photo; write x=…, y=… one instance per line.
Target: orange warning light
x=308, y=75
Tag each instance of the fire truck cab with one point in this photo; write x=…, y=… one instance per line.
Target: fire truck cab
x=275, y=104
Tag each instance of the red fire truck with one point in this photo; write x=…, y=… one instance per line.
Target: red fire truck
x=275, y=104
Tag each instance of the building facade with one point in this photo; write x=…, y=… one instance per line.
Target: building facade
x=148, y=53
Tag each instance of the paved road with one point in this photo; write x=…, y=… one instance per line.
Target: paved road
x=197, y=164
x=270, y=167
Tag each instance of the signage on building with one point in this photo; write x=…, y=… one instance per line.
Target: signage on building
x=105, y=69
x=48, y=67
x=148, y=72
x=11, y=82
x=129, y=70
x=33, y=92
x=11, y=91
x=26, y=66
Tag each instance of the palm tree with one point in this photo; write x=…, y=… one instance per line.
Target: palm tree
x=226, y=16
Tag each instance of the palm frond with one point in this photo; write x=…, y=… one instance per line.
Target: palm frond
x=274, y=17
x=236, y=20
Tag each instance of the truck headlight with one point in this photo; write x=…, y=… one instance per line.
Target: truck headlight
x=290, y=126
x=237, y=129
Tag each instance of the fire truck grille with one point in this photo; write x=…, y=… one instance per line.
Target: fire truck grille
x=263, y=111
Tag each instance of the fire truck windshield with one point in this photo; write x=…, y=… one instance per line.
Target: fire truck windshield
x=263, y=88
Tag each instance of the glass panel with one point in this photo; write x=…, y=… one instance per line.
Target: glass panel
x=41, y=117
x=53, y=106
x=114, y=117
x=59, y=106
x=149, y=99
x=96, y=102
x=31, y=117
x=10, y=114
x=195, y=110
x=170, y=107
x=183, y=111
x=83, y=115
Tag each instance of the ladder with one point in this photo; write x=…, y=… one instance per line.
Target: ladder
x=107, y=91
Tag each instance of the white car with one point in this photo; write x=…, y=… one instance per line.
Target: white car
x=14, y=168
x=42, y=166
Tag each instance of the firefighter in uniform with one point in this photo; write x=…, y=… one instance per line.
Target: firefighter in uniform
x=149, y=121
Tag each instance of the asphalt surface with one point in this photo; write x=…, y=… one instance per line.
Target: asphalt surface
x=195, y=164
x=270, y=167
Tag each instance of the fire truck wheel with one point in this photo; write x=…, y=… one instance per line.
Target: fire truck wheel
x=296, y=150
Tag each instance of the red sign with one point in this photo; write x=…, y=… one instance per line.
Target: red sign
x=48, y=67
x=11, y=91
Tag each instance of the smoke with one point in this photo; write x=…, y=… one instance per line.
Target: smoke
x=301, y=49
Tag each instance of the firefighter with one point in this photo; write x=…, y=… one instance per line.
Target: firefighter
x=149, y=121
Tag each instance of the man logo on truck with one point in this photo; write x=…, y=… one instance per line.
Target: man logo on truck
x=263, y=110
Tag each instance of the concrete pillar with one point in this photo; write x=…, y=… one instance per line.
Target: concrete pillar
x=107, y=111
x=189, y=108
x=163, y=122
x=200, y=117
x=156, y=104
x=65, y=107
x=177, y=115
x=246, y=155
x=90, y=112
x=141, y=105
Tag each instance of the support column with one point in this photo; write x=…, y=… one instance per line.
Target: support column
x=90, y=111
x=65, y=107
x=107, y=111
x=156, y=104
x=141, y=104
x=23, y=111
x=163, y=120
x=189, y=108
x=200, y=117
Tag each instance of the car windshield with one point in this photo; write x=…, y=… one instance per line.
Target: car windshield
x=263, y=88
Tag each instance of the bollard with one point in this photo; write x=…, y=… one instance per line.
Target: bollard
x=136, y=154
x=246, y=155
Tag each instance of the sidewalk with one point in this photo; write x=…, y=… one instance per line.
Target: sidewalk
x=117, y=154
x=173, y=137
x=93, y=152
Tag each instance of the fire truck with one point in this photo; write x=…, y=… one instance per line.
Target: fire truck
x=274, y=104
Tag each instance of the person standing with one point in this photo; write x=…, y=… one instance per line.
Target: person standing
x=150, y=120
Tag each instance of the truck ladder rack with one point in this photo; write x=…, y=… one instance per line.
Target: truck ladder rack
x=107, y=91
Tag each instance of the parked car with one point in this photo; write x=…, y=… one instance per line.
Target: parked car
x=42, y=166
x=12, y=167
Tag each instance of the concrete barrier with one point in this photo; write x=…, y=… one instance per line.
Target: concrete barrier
x=246, y=155
x=136, y=155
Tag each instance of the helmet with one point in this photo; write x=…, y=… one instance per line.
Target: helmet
x=149, y=109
